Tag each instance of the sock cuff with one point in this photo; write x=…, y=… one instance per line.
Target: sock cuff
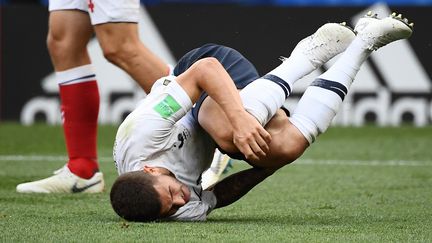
x=262, y=98
x=279, y=81
x=305, y=126
x=336, y=87
x=75, y=75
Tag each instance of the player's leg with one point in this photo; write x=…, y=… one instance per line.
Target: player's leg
x=320, y=103
x=322, y=99
x=116, y=27
x=263, y=100
x=264, y=96
x=69, y=33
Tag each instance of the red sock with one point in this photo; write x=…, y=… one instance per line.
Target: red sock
x=80, y=108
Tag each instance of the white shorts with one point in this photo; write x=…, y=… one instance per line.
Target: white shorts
x=102, y=11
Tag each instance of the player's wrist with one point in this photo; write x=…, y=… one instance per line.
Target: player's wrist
x=237, y=117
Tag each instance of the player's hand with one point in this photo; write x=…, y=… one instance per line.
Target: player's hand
x=250, y=137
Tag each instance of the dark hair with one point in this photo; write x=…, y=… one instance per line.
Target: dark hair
x=134, y=198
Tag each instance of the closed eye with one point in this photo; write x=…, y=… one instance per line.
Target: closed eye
x=173, y=208
x=171, y=196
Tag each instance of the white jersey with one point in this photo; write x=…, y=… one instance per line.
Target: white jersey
x=161, y=132
x=102, y=11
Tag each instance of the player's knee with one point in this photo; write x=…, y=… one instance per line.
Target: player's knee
x=62, y=47
x=289, y=150
x=56, y=43
x=295, y=148
x=292, y=153
x=119, y=53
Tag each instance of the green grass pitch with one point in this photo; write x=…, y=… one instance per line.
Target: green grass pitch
x=354, y=184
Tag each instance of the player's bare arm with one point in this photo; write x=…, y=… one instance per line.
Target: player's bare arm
x=237, y=185
x=209, y=75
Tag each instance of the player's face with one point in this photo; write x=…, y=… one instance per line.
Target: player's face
x=173, y=194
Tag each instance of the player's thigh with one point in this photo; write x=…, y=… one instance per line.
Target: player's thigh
x=287, y=143
x=117, y=37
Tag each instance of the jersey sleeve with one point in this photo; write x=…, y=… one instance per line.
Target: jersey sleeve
x=150, y=129
x=167, y=100
x=196, y=210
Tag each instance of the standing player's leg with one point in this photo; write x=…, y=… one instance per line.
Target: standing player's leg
x=120, y=42
x=69, y=33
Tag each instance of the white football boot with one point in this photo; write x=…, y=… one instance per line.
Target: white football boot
x=377, y=33
x=211, y=176
x=327, y=42
x=64, y=181
x=364, y=21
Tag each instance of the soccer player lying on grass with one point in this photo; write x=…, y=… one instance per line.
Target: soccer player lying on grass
x=165, y=144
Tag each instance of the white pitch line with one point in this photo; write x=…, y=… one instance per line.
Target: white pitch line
x=53, y=158
x=48, y=158
x=364, y=162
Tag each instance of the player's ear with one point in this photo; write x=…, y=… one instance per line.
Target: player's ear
x=148, y=169
x=152, y=170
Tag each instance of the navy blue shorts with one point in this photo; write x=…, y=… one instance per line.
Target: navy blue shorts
x=241, y=70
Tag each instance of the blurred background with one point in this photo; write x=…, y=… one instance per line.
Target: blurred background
x=393, y=88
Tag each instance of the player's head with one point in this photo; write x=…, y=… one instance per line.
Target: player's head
x=147, y=195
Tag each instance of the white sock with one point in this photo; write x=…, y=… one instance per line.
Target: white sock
x=346, y=67
x=76, y=75
x=263, y=97
x=293, y=68
x=322, y=99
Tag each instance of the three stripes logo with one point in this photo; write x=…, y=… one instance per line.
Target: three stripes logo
x=391, y=88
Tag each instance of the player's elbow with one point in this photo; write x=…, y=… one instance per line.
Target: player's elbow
x=203, y=67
